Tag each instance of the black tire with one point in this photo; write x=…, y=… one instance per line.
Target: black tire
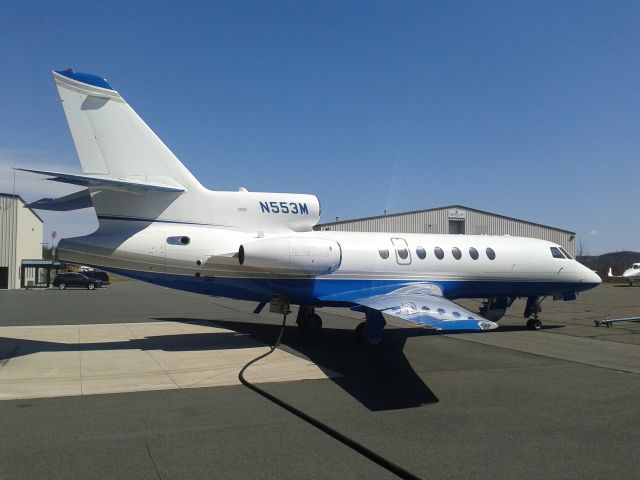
x=91, y=286
x=312, y=323
x=62, y=286
x=362, y=337
x=534, y=324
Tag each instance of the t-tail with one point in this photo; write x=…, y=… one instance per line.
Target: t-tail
x=133, y=178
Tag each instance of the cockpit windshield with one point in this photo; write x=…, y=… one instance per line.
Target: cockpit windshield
x=566, y=254
x=555, y=251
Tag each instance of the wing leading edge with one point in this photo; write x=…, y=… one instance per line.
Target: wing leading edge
x=422, y=304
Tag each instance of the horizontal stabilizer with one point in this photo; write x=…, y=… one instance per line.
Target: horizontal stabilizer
x=74, y=201
x=99, y=181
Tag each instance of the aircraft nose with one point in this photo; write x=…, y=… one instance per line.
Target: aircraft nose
x=591, y=277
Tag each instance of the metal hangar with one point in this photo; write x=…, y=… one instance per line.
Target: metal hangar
x=455, y=219
x=20, y=238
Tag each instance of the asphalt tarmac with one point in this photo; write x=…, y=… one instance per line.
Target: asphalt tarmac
x=511, y=403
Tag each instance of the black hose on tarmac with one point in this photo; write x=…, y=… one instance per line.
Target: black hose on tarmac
x=349, y=442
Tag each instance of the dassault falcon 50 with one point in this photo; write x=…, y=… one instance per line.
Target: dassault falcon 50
x=158, y=224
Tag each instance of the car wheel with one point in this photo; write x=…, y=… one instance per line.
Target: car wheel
x=62, y=286
x=91, y=286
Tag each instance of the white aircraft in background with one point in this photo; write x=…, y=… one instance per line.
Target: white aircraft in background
x=631, y=274
x=157, y=223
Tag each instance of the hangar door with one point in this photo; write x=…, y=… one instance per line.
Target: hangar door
x=4, y=278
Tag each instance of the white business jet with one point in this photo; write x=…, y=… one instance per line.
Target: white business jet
x=631, y=274
x=157, y=223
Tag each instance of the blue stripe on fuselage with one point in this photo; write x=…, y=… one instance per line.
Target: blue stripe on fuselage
x=318, y=291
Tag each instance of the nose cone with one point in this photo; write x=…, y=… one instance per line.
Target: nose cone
x=590, y=279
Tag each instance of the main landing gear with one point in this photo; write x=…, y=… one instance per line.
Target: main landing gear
x=369, y=332
x=531, y=312
x=308, y=320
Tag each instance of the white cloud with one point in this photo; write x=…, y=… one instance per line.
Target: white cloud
x=594, y=232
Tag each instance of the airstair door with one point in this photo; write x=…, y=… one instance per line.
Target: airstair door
x=403, y=255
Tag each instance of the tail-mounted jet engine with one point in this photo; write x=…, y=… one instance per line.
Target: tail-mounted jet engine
x=304, y=256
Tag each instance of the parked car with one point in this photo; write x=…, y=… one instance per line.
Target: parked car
x=102, y=276
x=74, y=279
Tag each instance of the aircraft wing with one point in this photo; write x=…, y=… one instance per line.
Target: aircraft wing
x=423, y=304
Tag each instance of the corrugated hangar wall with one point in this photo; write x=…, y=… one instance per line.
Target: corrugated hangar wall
x=455, y=219
x=8, y=227
x=20, y=238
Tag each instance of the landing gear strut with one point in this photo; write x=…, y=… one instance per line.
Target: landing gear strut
x=308, y=320
x=531, y=312
x=369, y=332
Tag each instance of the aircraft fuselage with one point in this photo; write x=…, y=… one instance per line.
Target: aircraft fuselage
x=206, y=260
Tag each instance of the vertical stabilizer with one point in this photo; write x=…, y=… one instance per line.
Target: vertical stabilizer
x=115, y=145
x=111, y=139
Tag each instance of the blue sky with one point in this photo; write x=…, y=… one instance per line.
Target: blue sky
x=527, y=109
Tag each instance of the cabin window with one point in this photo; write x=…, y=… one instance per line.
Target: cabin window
x=555, y=251
x=490, y=253
x=566, y=254
x=421, y=253
x=384, y=253
x=473, y=253
x=439, y=253
x=457, y=254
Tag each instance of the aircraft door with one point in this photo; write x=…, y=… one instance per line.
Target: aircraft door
x=403, y=255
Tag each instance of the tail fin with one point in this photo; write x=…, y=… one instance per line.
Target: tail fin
x=111, y=139
x=610, y=274
x=133, y=177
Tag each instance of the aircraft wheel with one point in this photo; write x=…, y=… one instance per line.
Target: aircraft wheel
x=534, y=324
x=311, y=323
x=62, y=286
x=91, y=286
x=362, y=338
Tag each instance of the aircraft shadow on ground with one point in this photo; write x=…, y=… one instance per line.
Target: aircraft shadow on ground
x=380, y=378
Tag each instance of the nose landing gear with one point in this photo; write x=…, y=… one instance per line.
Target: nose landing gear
x=531, y=312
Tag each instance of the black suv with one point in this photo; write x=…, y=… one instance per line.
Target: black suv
x=74, y=279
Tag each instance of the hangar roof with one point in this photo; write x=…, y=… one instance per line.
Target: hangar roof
x=14, y=195
x=445, y=207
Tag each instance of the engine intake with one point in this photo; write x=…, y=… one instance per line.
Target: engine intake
x=305, y=256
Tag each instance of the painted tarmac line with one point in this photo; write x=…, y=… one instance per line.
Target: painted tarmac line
x=74, y=360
